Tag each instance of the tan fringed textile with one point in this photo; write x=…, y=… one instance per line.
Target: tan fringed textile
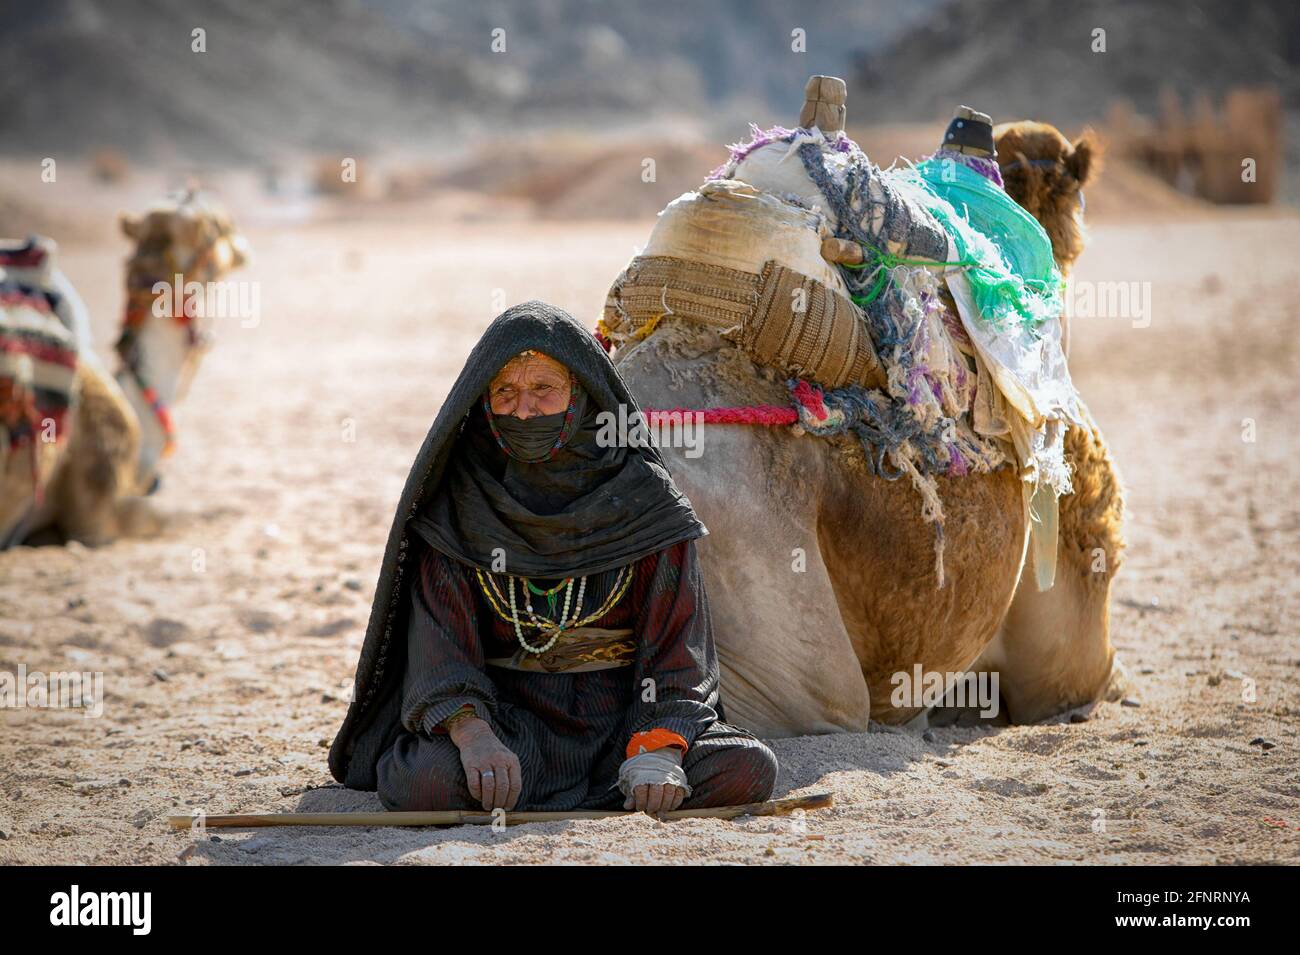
x=811, y=331
x=826, y=342
x=653, y=286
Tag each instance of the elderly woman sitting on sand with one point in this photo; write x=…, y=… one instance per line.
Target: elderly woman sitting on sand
x=540, y=637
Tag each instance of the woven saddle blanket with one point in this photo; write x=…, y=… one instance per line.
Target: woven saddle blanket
x=941, y=348
x=38, y=360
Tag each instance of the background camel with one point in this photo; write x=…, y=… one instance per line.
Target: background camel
x=83, y=480
x=821, y=575
x=1053, y=650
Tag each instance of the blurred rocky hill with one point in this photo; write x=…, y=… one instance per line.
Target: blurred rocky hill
x=560, y=123
x=1035, y=58
x=284, y=76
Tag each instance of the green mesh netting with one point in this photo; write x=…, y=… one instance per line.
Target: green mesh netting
x=1012, y=274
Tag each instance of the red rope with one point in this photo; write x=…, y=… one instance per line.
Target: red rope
x=808, y=395
x=811, y=398
x=771, y=415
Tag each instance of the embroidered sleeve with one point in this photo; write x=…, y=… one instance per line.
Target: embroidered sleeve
x=444, y=656
x=677, y=666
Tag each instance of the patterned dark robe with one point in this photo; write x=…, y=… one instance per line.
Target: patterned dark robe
x=568, y=730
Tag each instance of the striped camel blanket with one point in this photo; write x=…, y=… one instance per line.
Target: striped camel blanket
x=38, y=356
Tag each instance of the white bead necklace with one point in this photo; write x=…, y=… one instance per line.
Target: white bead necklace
x=565, y=620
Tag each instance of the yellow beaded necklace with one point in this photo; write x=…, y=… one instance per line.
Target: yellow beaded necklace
x=498, y=602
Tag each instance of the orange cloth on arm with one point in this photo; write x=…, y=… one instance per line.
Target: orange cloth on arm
x=657, y=738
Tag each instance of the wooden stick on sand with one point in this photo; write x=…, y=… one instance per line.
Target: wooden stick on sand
x=456, y=817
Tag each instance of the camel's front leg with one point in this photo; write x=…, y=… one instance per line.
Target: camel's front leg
x=1053, y=651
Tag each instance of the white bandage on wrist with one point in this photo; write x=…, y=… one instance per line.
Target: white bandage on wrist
x=656, y=768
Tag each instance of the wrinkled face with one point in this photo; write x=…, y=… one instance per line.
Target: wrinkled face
x=528, y=385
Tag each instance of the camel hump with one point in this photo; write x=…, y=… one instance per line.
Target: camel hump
x=823, y=103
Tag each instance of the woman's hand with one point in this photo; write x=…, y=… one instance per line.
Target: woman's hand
x=491, y=770
x=653, y=781
x=653, y=800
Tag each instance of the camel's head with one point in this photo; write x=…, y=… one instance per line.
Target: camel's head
x=184, y=246
x=1046, y=174
x=186, y=234
x=184, y=239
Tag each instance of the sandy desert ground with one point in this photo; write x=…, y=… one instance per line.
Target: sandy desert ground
x=228, y=644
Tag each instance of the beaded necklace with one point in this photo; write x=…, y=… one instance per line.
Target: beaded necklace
x=545, y=625
x=550, y=595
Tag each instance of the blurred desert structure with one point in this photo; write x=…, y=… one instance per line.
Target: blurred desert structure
x=486, y=178
x=562, y=122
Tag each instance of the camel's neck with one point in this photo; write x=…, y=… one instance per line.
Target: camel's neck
x=1064, y=265
x=159, y=365
x=1067, y=236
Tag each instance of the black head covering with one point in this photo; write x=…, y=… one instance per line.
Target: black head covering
x=587, y=509
x=582, y=510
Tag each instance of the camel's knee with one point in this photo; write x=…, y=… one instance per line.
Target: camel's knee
x=1054, y=651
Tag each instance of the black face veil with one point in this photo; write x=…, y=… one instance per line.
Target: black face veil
x=588, y=508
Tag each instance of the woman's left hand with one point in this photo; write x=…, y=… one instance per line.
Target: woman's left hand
x=653, y=800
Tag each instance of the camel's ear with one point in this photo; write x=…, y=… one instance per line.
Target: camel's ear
x=130, y=226
x=1085, y=160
